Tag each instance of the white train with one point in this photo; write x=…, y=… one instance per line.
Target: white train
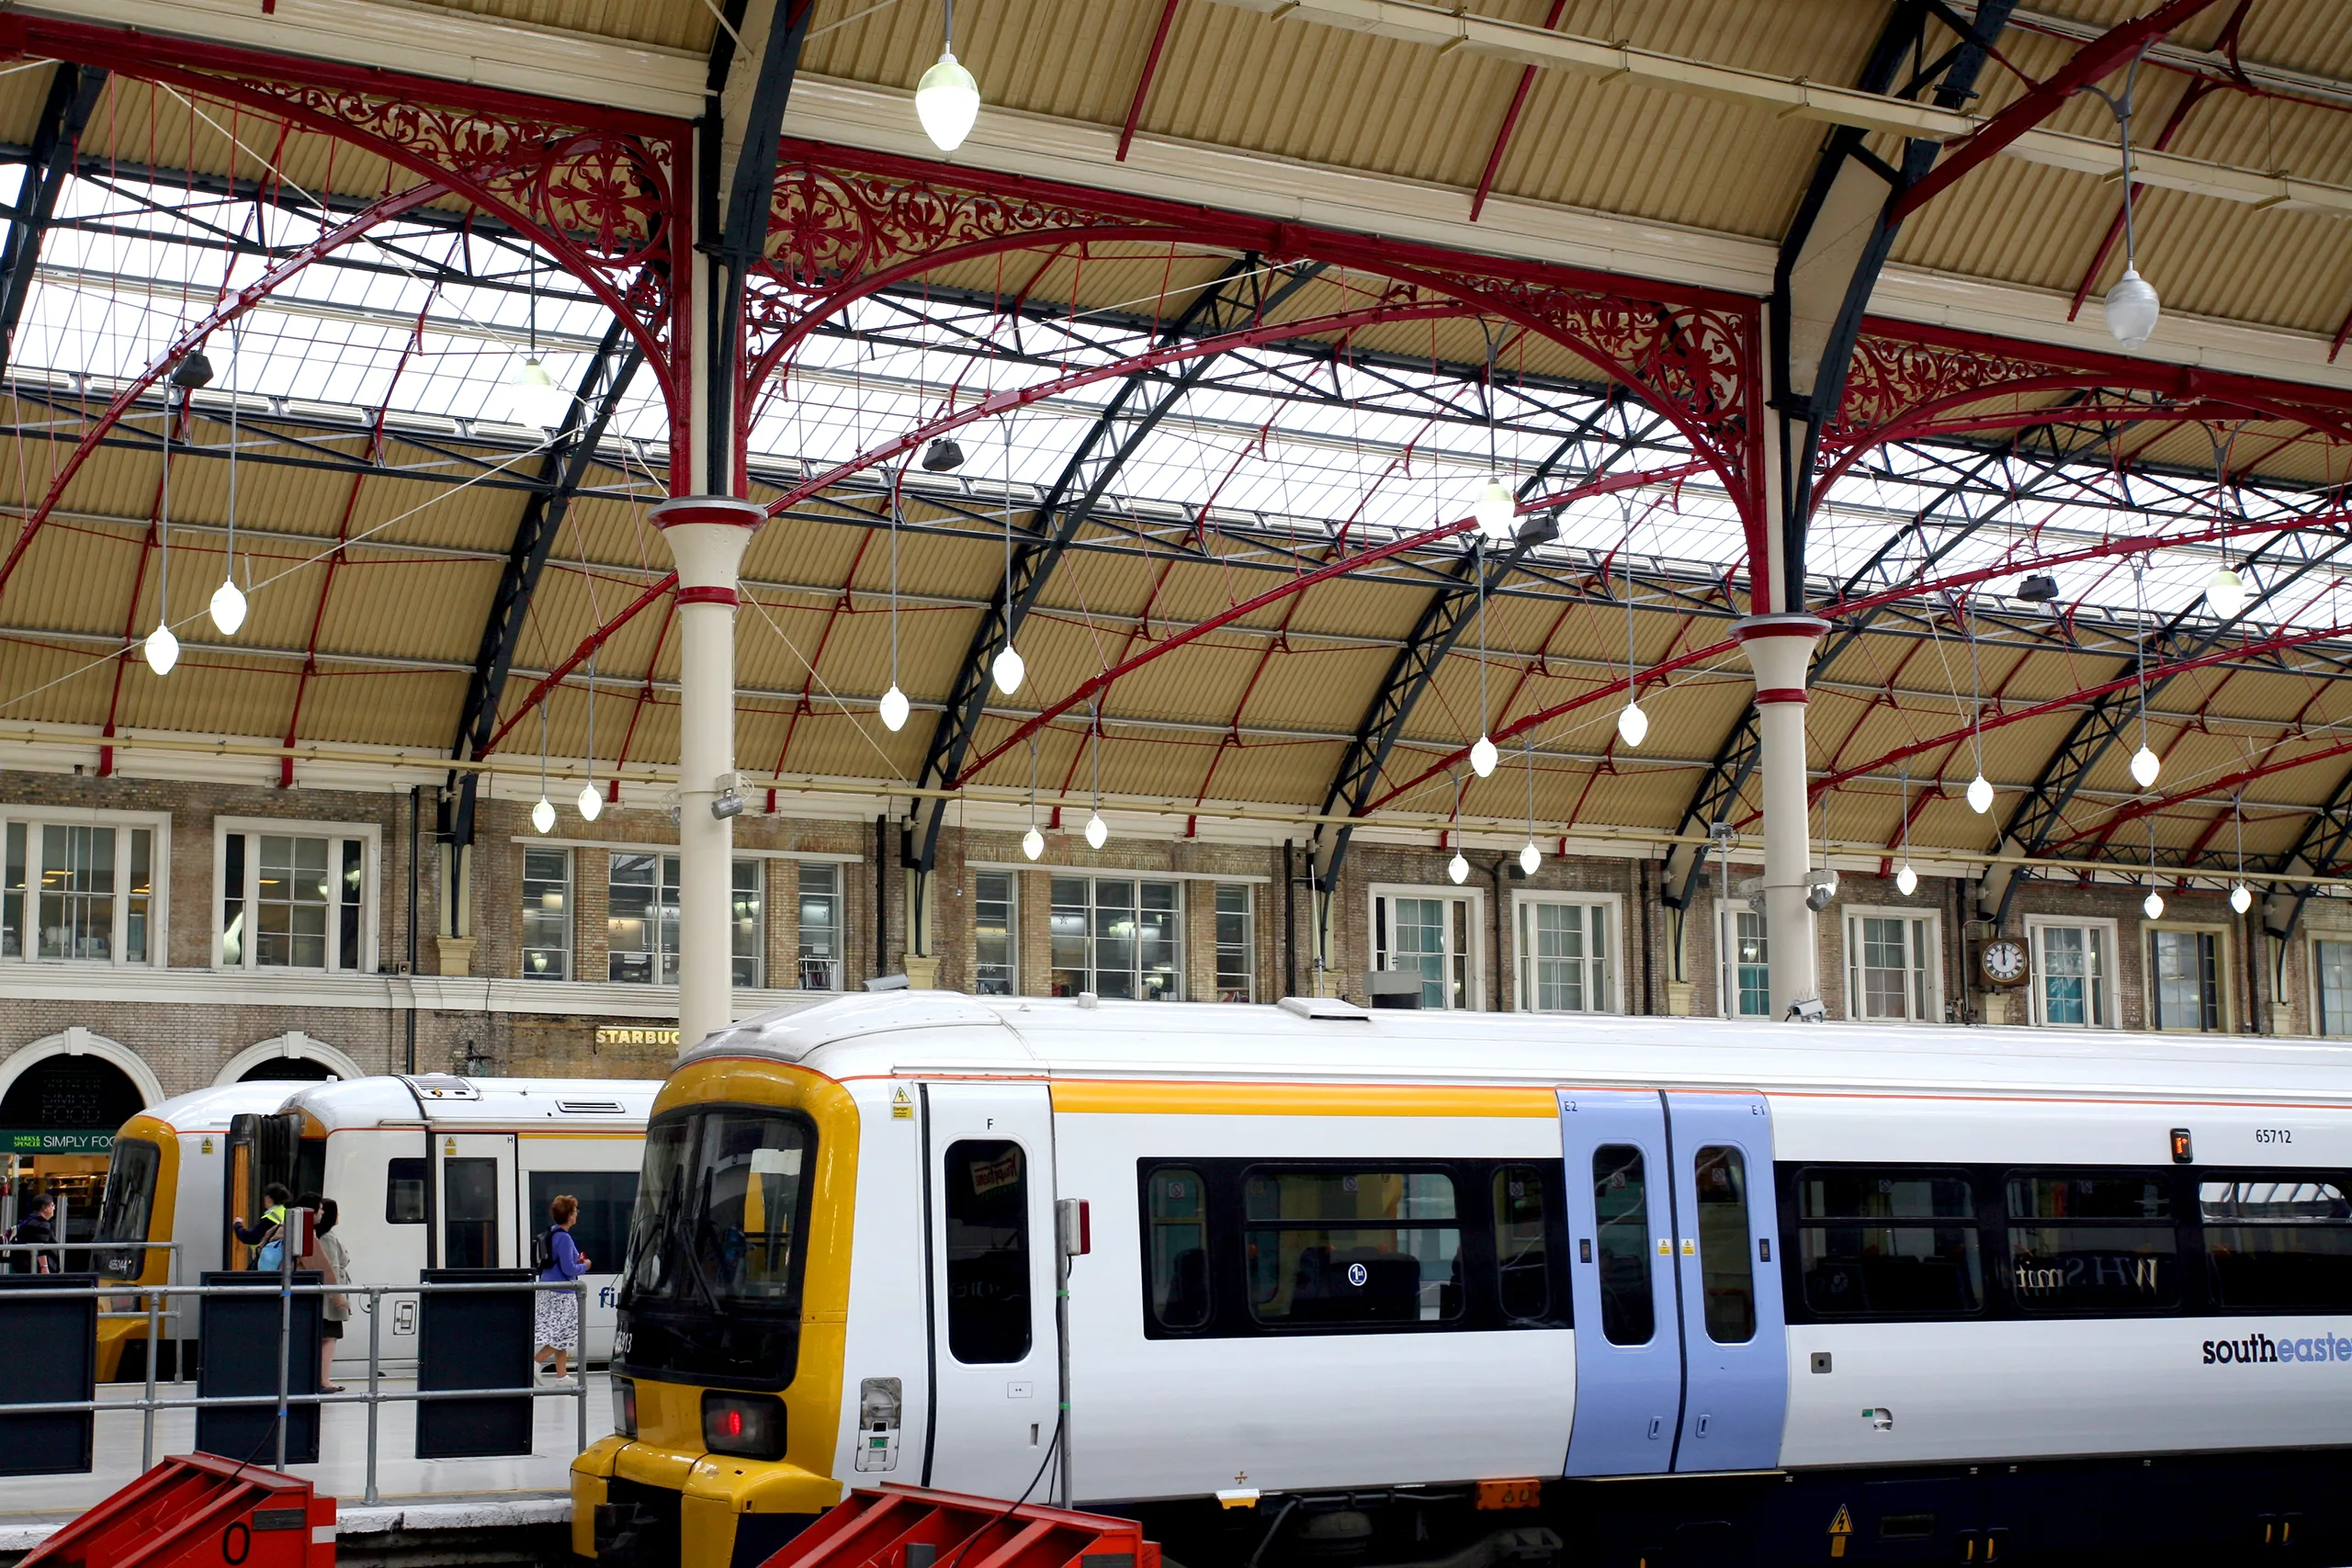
x=1388, y=1285
x=433, y=1172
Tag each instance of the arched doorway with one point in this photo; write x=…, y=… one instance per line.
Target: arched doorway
x=64, y=1097
x=291, y=1058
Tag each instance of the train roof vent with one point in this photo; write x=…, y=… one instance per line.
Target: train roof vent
x=589, y=1107
x=1330, y=1009
x=443, y=1086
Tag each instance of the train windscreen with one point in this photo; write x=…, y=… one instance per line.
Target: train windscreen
x=128, y=1205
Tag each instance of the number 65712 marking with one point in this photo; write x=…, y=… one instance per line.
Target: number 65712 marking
x=2273, y=1136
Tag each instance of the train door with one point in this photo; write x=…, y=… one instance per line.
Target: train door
x=996, y=1388
x=262, y=1150
x=477, y=1178
x=1629, y=1354
x=1734, y=1340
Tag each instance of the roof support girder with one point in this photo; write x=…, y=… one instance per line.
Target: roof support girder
x=74, y=92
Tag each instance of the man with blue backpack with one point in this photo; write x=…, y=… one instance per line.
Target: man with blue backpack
x=267, y=1235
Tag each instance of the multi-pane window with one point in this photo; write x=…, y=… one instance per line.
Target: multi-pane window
x=2071, y=969
x=1116, y=936
x=2280, y=1242
x=2331, y=960
x=820, y=927
x=1888, y=1243
x=1236, y=950
x=79, y=890
x=2185, y=980
x=1892, y=966
x=1428, y=935
x=2104, y=1244
x=1746, y=963
x=547, y=914
x=294, y=900
x=1564, y=959
x=996, y=943
x=641, y=919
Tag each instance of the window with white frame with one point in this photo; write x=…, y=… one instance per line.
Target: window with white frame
x=820, y=927
x=1745, y=979
x=641, y=919
x=1236, y=943
x=1117, y=936
x=85, y=889
x=1567, y=954
x=1893, y=965
x=296, y=896
x=1418, y=931
x=2074, y=972
x=2185, y=979
x=547, y=914
x=996, y=934
x=2332, y=980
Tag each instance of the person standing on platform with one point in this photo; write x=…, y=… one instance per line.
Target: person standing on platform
x=555, y=1313
x=333, y=1265
x=36, y=1229
x=267, y=1235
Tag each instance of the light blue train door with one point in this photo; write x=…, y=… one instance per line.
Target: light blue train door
x=1735, y=1393
x=1629, y=1349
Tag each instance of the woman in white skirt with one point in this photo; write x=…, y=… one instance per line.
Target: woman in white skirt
x=557, y=1314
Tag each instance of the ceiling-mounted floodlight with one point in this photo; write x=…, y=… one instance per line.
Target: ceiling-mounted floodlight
x=2039, y=589
x=194, y=370
x=943, y=456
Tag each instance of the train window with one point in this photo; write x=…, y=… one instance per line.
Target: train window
x=2282, y=1241
x=2092, y=1244
x=470, y=1213
x=1621, y=1202
x=606, y=1197
x=1724, y=1272
x=988, y=1251
x=404, y=1192
x=1178, y=1217
x=1521, y=1261
x=1329, y=1246
x=1888, y=1243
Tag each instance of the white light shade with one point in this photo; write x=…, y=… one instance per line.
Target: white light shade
x=1010, y=669
x=893, y=708
x=1033, y=843
x=2132, y=308
x=2144, y=768
x=1530, y=857
x=2153, y=904
x=1458, y=869
x=1483, y=757
x=228, y=607
x=1633, y=725
x=2239, y=899
x=1098, y=832
x=543, y=815
x=947, y=101
x=2225, y=595
x=592, y=801
x=1906, y=881
x=1980, y=795
x=163, y=649
x=1497, y=511
x=534, y=399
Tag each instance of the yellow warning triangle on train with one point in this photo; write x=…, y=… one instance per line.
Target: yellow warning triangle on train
x=1843, y=1524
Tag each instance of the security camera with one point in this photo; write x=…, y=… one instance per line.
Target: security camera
x=1818, y=896
x=1810, y=1010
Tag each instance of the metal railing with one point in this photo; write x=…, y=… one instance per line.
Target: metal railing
x=284, y=1400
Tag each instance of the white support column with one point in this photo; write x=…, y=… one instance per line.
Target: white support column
x=1780, y=650
x=706, y=536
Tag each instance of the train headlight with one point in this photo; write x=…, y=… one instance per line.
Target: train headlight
x=748, y=1426
x=625, y=1407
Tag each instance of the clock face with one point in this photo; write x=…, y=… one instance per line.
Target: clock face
x=2003, y=961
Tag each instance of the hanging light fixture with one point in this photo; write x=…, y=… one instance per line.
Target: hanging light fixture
x=162, y=648
x=1632, y=724
x=2225, y=590
x=2225, y=593
x=543, y=814
x=1458, y=868
x=2145, y=765
x=592, y=799
x=1009, y=669
x=227, y=599
x=1032, y=842
x=1098, y=832
x=532, y=396
x=2132, y=306
x=1980, y=795
x=1980, y=789
x=2153, y=904
x=947, y=100
x=1530, y=857
x=893, y=707
x=1483, y=755
x=1906, y=881
x=2239, y=899
x=1497, y=509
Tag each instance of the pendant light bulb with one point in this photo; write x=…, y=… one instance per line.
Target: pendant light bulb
x=1010, y=669
x=2225, y=595
x=1530, y=857
x=1483, y=757
x=1098, y=832
x=543, y=815
x=2239, y=899
x=2153, y=904
x=2132, y=308
x=894, y=709
x=2145, y=766
x=592, y=802
x=228, y=607
x=1906, y=881
x=1458, y=869
x=1980, y=795
x=947, y=100
x=1497, y=511
x=1033, y=843
x=163, y=649
x=1633, y=725
x=533, y=398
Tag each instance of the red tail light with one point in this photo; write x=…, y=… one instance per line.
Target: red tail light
x=750, y=1426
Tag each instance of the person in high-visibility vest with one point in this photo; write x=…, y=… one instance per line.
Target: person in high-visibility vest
x=267, y=1235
